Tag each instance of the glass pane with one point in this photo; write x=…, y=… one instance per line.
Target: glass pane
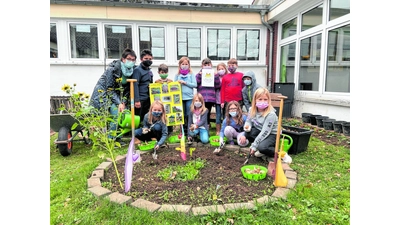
x=338, y=68
x=219, y=44
x=289, y=28
x=53, y=41
x=189, y=43
x=152, y=38
x=248, y=42
x=287, y=63
x=309, y=67
x=311, y=18
x=338, y=8
x=118, y=38
x=84, y=41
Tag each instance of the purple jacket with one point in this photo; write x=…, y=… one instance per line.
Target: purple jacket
x=209, y=93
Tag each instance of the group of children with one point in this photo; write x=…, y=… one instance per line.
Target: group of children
x=231, y=91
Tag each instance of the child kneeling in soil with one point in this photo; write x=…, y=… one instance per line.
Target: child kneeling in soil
x=197, y=120
x=232, y=125
x=154, y=125
x=261, y=124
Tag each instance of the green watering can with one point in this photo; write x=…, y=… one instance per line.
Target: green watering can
x=287, y=142
x=125, y=121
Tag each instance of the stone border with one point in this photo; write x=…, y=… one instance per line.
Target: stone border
x=94, y=186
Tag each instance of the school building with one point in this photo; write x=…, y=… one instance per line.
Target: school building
x=286, y=43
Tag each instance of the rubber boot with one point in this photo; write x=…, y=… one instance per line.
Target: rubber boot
x=218, y=126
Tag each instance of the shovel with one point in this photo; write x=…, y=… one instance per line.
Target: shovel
x=247, y=158
x=155, y=153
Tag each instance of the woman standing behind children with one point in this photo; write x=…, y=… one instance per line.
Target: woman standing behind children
x=232, y=126
x=154, y=125
x=188, y=82
x=208, y=93
x=164, y=80
x=221, y=71
x=261, y=124
x=198, y=124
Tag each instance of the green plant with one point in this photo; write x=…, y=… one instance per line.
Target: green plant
x=182, y=173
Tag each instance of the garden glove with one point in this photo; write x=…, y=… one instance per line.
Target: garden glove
x=156, y=147
x=247, y=128
x=145, y=130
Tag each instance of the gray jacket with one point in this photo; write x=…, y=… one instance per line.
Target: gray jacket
x=252, y=88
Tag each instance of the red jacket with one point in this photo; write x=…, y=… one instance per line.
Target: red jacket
x=231, y=87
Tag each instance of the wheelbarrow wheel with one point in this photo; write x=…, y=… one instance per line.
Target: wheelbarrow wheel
x=64, y=134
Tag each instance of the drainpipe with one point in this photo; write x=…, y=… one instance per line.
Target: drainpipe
x=271, y=32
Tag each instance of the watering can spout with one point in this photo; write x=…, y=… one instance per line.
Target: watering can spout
x=287, y=142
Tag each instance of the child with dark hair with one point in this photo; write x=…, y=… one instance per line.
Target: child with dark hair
x=197, y=121
x=221, y=71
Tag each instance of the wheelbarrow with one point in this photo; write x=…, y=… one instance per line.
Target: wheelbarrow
x=62, y=123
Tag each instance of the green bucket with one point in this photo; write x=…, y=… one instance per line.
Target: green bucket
x=125, y=119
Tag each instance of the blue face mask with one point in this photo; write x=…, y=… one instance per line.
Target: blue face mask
x=129, y=64
x=247, y=82
x=157, y=114
x=233, y=114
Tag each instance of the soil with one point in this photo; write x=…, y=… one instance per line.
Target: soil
x=223, y=171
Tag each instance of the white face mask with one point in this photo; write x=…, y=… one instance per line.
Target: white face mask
x=197, y=104
x=247, y=82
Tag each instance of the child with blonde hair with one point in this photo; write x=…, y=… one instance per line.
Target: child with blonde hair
x=221, y=71
x=261, y=124
x=154, y=125
x=188, y=82
x=197, y=120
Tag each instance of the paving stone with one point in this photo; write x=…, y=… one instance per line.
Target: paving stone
x=144, y=204
x=104, y=166
x=286, y=167
x=178, y=208
x=119, y=198
x=291, y=183
x=281, y=192
x=291, y=175
x=98, y=174
x=244, y=150
x=233, y=206
x=204, y=210
x=120, y=158
x=174, y=145
x=93, y=182
x=261, y=200
x=232, y=147
x=99, y=191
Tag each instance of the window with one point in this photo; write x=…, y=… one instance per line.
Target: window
x=248, y=44
x=289, y=28
x=287, y=64
x=152, y=38
x=219, y=44
x=53, y=41
x=338, y=64
x=311, y=18
x=84, y=41
x=309, y=67
x=118, y=38
x=338, y=8
x=189, y=43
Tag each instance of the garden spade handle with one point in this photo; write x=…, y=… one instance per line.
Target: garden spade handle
x=131, y=81
x=278, y=132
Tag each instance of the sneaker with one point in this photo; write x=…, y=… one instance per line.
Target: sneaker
x=190, y=140
x=258, y=154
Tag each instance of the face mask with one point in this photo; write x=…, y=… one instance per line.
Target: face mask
x=184, y=71
x=262, y=105
x=221, y=72
x=247, y=82
x=197, y=104
x=163, y=76
x=157, y=114
x=147, y=63
x=233, y=114
x=207, y=67
x=129, y=64
x=232, y=69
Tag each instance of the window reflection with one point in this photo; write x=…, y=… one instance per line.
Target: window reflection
x=338, y=8
x=311, y=18
x=118, y=38
x=310, y=50
x=152, y=38
x=248, y=44
x=289, y=28
x=84, y=41
x=189, y=43
x=53, y=41
x=288, y=53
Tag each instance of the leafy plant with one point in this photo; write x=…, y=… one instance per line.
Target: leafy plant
x=182, y=173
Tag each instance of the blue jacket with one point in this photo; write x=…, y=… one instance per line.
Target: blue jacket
x=144, y=77
x=187, y=89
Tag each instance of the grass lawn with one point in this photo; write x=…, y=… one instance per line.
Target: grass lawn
x=321, y=195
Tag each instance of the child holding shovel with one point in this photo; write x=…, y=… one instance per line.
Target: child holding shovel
x=261, y=124
x=154, y=125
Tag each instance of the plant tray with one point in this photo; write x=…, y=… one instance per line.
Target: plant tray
x=255, y=176
x=214, y=140
x=300, y=137
x=146, y=147
x=174, y=139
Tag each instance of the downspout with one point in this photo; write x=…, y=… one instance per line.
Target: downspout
x=271, y=32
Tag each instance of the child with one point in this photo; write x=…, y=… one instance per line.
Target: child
x=209, y=93
x=249, y=79
x=232, y=85
x=232, y=126
x=187, y=80
x=164, y=80
x=144, y=77
x=154, y=125
x=197, y=120
x=221, y=71
x=261, y=124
